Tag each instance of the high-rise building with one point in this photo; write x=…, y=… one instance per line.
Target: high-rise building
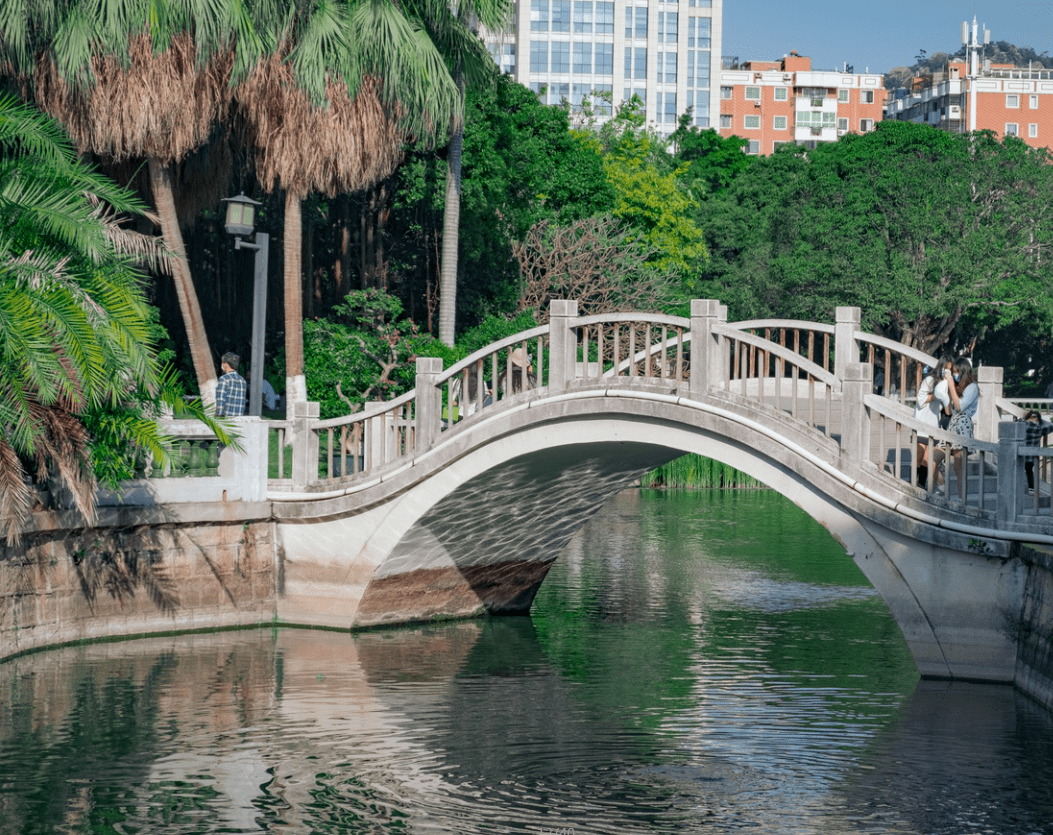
x=769, y=103
x=665, y=52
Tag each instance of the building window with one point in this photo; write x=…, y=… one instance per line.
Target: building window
x=778, y=123
x=701, y=113
x=539, y=15
x=700, y=4
x=666, y=68
x=1033, y=102
x=698, y=68
x=560, y=15
x=636, y=22
x=752, y=147
x=538, y=56
x=583, y=59
x=866, y=125
x=753, y=94
x=699, y=30
x=604, y=18
x=667, y=27
x=751, y=122
x=560, y=57
x=725, y=92
x=866, y=96
x=781, y=93
x=669, y=111
x=725, y=120
x=842, y=95
x=1012, y=101
x=814, y=93
x=842, y=124
x=775, y=145
x=1032, y=130
x=1012, y=129
x=605, y=59
x=558, y=92
x=582, y=15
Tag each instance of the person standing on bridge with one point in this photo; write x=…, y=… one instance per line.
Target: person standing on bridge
x=964, y=396
x=230, y=391
x=928, y=410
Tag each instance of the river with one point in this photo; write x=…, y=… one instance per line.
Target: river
x=695, y=662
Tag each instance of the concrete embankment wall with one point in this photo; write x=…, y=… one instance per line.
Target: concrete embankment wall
x=137, y=573
x=1034, y=668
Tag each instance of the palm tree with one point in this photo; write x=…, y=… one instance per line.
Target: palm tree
x=74, y=324
x=343, y=86
x=453, y=29
x=134, y=79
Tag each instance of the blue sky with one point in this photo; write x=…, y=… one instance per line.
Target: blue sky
x=879, y=34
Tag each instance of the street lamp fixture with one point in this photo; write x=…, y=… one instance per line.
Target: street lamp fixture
x=241, y=215
x=240, y=222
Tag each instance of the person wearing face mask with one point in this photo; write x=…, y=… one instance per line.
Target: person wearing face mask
x=964, y=396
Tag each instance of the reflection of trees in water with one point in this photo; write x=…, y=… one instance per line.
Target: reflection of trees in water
x=59, y=755
x=84, y=729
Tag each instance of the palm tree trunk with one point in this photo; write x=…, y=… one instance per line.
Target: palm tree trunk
x=204, y=369
x=295, y=383
x=451, y=228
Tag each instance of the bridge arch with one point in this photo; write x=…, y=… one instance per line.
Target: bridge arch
x=474, y=524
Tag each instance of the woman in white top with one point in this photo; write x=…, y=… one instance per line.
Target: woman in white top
x=928, y=411
x=964, y=395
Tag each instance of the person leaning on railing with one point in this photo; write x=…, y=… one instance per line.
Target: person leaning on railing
x=964, y=395
x=1037, y=429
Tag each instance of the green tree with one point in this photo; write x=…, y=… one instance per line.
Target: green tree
x=712, y=161
x=924, y=230
x=136, y=79
x=327, y=110
x=75, y=328
x=650, y=197
x=523, y=164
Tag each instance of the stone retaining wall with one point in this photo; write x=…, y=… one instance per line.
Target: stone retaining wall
x=134, y=576
x=1034, y=669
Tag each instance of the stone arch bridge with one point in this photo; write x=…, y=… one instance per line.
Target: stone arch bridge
x=455, y=498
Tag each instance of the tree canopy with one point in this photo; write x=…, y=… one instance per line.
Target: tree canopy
x=922, y=229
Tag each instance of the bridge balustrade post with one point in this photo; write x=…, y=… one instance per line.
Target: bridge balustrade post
x=427, y=415
x=562, y=343
x=856, y=384
x=846, y=348
x=707, y=352
x=1012, y=484
x=989, y=379
x=304, y=442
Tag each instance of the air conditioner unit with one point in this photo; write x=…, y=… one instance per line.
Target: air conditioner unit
x=842, y=132
x=756, y=104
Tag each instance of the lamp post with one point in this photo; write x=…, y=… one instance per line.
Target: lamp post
x=240, y=221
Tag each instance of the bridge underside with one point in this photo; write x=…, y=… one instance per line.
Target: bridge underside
x=475, y=527
x=490, y=544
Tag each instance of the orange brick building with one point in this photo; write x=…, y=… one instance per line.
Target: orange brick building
x=1009, y=100
x=769, y=103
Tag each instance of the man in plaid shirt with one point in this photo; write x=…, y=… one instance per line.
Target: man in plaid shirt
x=230, y=392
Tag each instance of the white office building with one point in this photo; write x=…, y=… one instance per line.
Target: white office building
x=666, y=52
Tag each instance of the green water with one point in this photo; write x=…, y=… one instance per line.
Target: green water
x=695, y=662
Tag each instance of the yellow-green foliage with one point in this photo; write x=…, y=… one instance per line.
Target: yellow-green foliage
x=651, y=200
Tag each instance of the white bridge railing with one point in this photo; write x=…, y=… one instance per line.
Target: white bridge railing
x=817, y=376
